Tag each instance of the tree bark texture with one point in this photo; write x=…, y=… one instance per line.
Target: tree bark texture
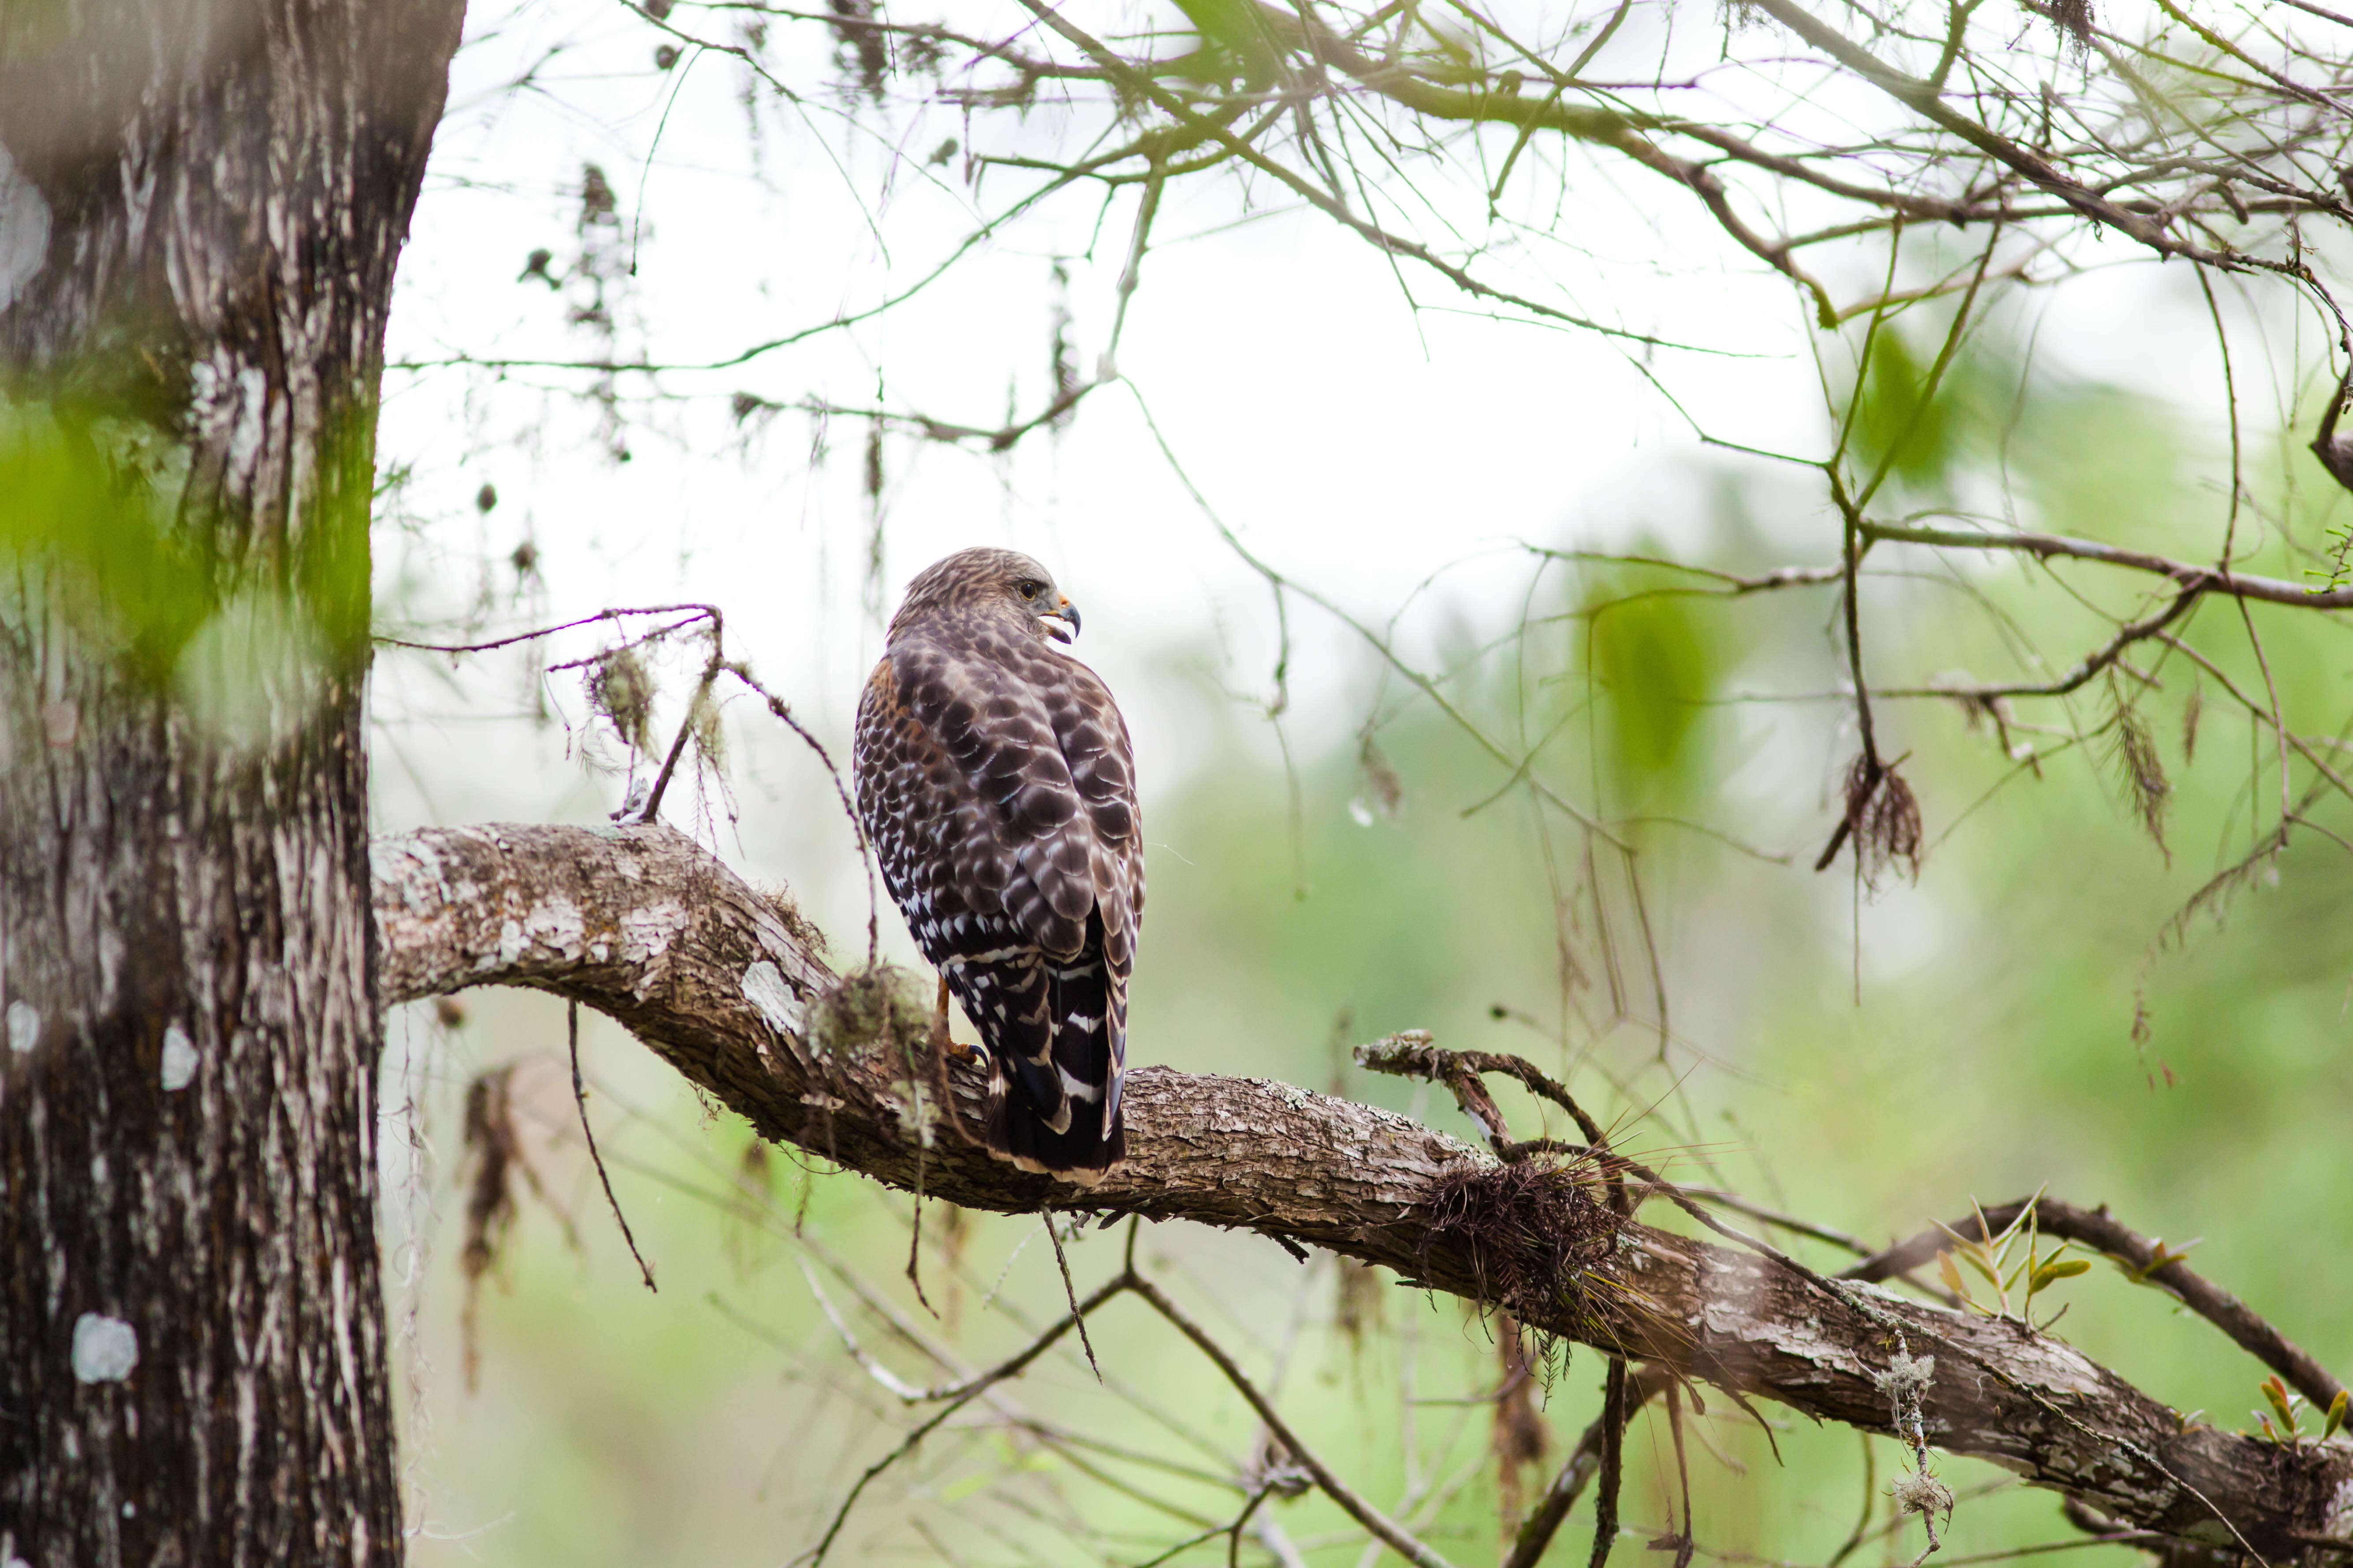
x=201, y=205
x=730, y=987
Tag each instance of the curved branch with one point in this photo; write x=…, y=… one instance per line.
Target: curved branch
x=1923, y=99
x=1137, y=81
x=730, y=987
x=2146, y=1261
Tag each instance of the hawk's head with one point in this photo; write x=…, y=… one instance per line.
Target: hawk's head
x=995, y=582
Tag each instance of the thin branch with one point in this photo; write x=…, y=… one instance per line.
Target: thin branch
x=2095, y=1229
x=2188, y=576
x=1584, y=1462
x=1330, y=205
x=1062, y=1263
x=580, y=1099
x=1613, y=1444
x=1010, y=1367
x=2098, y=659
x=1386, y=1528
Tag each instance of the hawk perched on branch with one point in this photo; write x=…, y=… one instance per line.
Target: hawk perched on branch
x=997, y=786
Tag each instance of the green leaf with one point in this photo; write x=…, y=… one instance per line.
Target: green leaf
x=2024, y=1219
x=2052, y=1273
x=2276, y=1394
x=2159, y=1258
x=2335, y=1416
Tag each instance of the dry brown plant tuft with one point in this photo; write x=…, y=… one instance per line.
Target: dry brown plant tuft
x=2074, y=18
x=493, y=1144
x=1884, y=817
x=1274, y=1468
x=1530, y=1229
x=781, y=901
x=2140, y=770
x=1383, y=793
x=1357, y=1308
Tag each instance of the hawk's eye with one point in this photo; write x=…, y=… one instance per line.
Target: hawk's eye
x=1031, y=590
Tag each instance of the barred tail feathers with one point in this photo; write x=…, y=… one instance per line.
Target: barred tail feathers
x=1056, y=1070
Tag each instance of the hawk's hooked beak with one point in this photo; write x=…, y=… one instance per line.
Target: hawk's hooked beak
x=1062, y=623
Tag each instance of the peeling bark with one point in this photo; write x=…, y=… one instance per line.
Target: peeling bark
x=201, y=205
x=730, y=988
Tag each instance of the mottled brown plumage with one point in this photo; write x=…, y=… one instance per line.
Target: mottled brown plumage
x=997, y=787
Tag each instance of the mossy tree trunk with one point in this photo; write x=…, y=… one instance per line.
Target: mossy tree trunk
x=201, y=205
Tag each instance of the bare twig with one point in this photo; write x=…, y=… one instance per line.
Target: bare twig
x=580, y=1099
x=1613, y=1443
x=2186, y=575
x=1046, y=1215
x=1010, y=1367
x=1578, y=1471
x=1386, y=1528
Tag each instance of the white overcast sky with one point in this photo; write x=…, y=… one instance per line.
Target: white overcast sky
x=1352, y=439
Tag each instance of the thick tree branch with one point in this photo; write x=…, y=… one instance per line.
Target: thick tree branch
x=730, y=987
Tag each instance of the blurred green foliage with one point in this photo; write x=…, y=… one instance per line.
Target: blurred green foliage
x=1657, y=653
x=2106, y=460
x=112, y=561
x=95, y=515
x=1925, y=426
x=1899, y=418
x=1234, y=44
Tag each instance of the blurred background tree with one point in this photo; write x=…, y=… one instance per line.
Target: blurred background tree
x=1751, y=437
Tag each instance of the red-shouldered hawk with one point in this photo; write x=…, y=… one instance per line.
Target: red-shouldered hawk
x=997, y=786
